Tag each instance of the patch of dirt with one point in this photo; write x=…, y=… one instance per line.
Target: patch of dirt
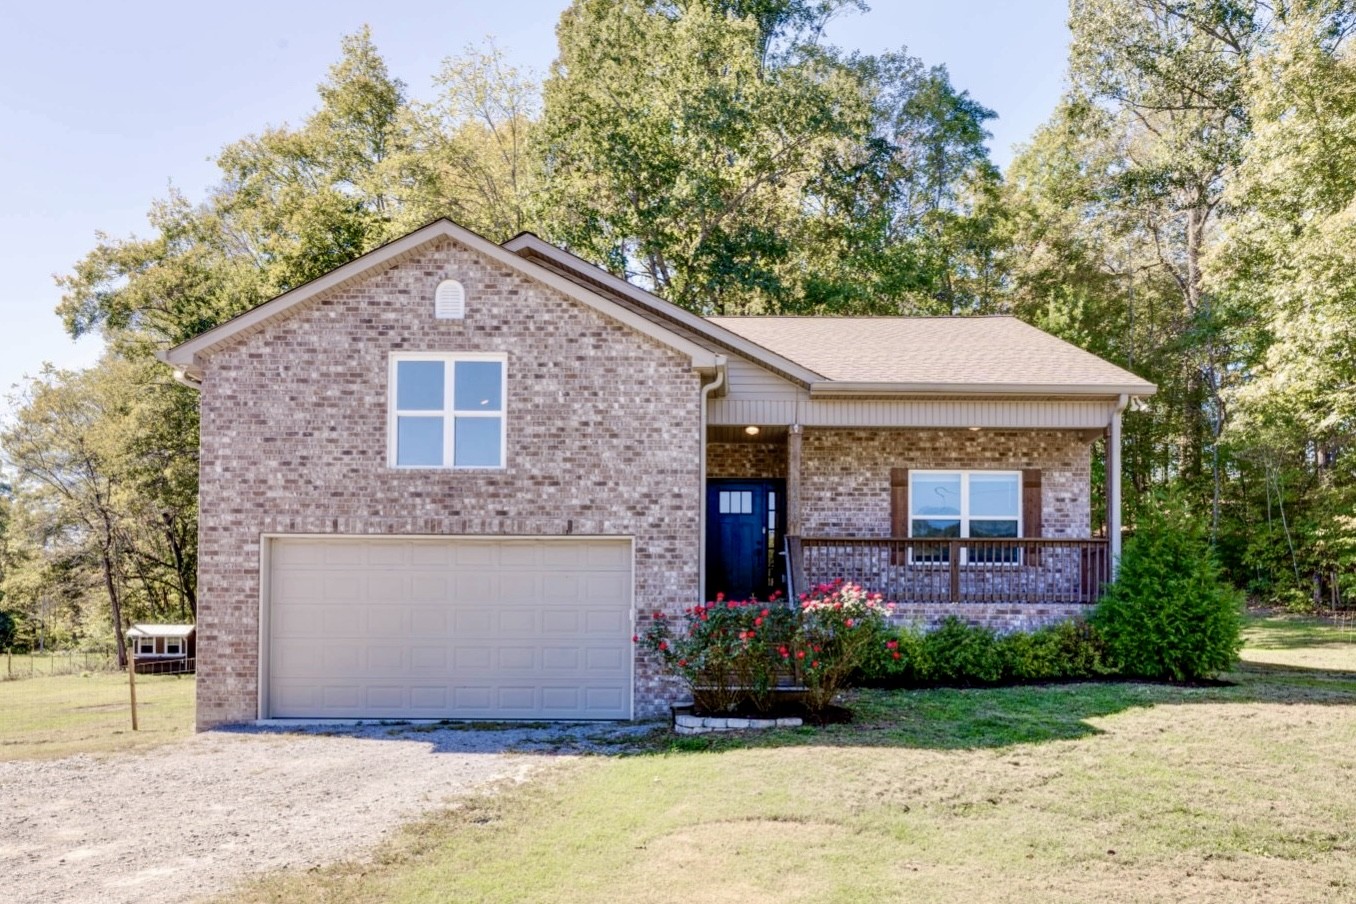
x=193, y=818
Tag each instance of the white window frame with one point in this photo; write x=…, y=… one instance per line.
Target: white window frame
x=964, y=516
x=146, y=640
x=449, y=413
x=178, y=643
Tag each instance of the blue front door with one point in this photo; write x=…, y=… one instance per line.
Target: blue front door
x=744, y=526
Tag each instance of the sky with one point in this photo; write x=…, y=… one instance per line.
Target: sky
x=105, y=106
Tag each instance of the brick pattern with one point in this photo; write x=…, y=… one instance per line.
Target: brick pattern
x=845, y=485
x=294, y=441
x=746, y=460
x=1004, y=618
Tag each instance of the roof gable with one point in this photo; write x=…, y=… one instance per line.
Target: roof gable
x=187, y=356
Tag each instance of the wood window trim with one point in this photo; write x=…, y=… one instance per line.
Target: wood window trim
x=449, y=412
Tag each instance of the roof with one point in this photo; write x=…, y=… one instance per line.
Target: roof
x=982, y=355
x=143, y=630
x=856, y=356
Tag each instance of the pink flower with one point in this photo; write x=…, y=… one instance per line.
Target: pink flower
x=720, y=597
x=663, y=645
x=800, y=654
x=848, y=622
x=758, y=622
x=763, y=613
x=635, y=638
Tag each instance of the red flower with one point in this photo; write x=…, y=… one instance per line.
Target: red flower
x=663, y=645
x=800, y=654
x=848, y=622
x=895, y=654
x=682, y=663
x=731, y=604
x=815, y=664
x=720, y=597
x=758, y=622
x=635, y=638
x=892, y=645
x=816, y=649
x=763, y=613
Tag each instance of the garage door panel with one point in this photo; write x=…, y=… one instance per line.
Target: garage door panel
x=385, y=620
x=517, y=658
x=429, y=697
x=555, y=622
x=431, y=554
x=460, y=628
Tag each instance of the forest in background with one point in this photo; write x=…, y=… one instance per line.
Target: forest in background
x=1188, y=211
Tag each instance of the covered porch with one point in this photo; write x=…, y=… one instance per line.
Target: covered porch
x=993, y=524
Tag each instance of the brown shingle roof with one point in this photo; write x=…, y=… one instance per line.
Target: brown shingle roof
x=975, y=351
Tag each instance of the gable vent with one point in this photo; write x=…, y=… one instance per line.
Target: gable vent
x=449, y=302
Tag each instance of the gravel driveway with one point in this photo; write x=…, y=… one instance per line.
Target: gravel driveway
x=194, y=817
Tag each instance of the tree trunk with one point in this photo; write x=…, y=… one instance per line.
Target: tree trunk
x=115, y=606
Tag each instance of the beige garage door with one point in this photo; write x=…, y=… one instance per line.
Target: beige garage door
x=440, y=628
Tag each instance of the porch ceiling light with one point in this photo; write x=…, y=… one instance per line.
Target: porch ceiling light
x=976, y=429
x=751, y=430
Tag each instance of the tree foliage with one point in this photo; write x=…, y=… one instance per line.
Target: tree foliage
x=1186, y=211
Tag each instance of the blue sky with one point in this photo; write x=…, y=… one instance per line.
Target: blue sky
x=104, y=106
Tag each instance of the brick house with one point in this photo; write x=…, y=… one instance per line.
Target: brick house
x=450, y=479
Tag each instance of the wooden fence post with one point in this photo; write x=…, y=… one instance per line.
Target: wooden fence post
x=132, y=684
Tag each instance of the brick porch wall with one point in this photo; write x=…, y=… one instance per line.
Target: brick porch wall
x=294, y=441
x=746, y=460
x=845, y=492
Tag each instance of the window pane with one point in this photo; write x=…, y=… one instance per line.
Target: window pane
x=419, y=385
x=993, y=529
x=419, y=441
x=995, y=495
x=936, y=494
x=479, y=386
x=941, y=529
x=477, y=442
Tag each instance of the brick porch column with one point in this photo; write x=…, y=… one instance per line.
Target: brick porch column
x=793, y=453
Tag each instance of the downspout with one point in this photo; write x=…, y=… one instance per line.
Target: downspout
x=1113, y=485
x=709, y=388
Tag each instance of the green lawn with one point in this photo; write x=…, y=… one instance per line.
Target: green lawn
x=56, y=716
x=1081, y=792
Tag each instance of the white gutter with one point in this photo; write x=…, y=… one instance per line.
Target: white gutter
x=831, y=388
x=1113, y=485
x=709, y=388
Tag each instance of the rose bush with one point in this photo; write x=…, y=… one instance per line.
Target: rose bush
x=736, y=653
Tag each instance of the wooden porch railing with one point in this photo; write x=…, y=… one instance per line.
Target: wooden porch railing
x=911, y=570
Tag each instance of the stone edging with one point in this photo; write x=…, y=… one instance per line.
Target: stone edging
x=690, y=725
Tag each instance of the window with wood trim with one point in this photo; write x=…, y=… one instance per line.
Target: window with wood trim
x=951, y=505
x=446, y=411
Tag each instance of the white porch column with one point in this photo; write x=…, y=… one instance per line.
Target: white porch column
x=1113, y=486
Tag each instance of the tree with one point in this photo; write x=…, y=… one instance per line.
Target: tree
x=718, y=154
x=105, y=476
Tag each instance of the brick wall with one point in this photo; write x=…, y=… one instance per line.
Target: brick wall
x=603, y=438
x=845, y=484
x=846, y=492
x=746, y=460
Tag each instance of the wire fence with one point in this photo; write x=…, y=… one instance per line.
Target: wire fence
x=16, y=666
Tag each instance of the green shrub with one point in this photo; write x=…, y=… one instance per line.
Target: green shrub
x=1069, y=649
x=960, y=654
x=1169, y=615
x=957, y=653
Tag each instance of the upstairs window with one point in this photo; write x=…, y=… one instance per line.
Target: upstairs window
x=447, y=411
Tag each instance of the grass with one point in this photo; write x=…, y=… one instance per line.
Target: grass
x=1078, y=792
x=47, y=717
